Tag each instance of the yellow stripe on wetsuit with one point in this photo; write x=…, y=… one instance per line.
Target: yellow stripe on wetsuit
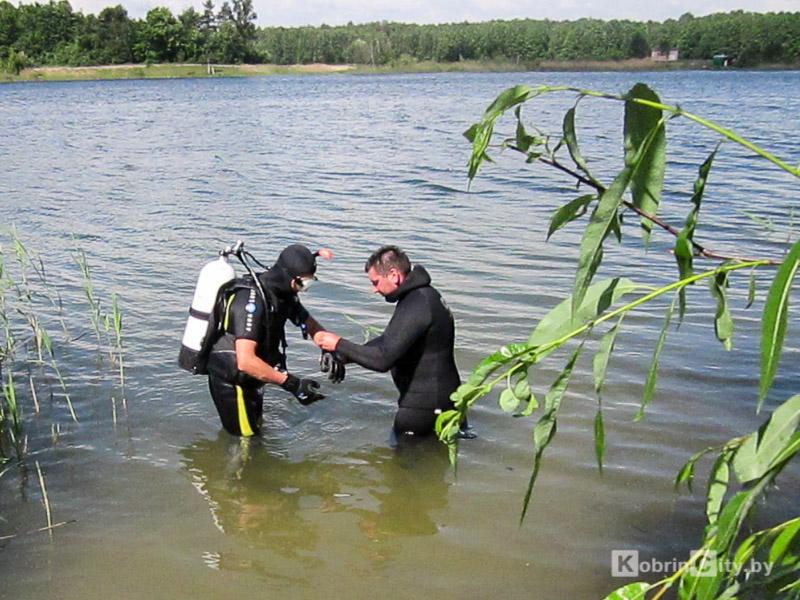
x=244, y=422
x=228, y=312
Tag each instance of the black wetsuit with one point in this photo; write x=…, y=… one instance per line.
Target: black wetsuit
x=417, y=346
x=236, y=395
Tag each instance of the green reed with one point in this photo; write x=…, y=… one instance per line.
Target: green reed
x=88, y=290
x=113, y=323
x=14, y=412
x=26, y=309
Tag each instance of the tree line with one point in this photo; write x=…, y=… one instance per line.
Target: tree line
x=55, y=34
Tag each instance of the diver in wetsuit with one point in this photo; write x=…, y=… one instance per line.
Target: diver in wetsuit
x=251, y=348
x=417, y=344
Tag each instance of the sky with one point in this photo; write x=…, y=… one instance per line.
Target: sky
x=338, y=12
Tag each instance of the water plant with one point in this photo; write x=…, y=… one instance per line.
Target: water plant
x=755, y=460
x=29, y=307
x=14, y=411
x=367, y=330
x=88, y=290
x=114, y=323
x=29, y=304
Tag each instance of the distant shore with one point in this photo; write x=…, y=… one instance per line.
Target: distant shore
x=183, y=70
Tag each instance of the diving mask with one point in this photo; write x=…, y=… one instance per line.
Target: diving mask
x=304, y=283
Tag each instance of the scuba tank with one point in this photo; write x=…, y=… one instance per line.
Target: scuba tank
x=195, y=344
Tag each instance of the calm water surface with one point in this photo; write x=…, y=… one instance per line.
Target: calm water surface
x=153, y=177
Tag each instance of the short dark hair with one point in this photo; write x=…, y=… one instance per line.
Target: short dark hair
x=387, y=258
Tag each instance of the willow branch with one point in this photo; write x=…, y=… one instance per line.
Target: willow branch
x=678, y=111
x=674, y=286
x=699, y=248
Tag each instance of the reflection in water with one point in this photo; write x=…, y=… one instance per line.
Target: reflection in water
x=273, y=504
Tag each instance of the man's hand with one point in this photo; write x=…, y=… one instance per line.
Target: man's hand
x=331, y=364
x=326, y=340
x=305, y=390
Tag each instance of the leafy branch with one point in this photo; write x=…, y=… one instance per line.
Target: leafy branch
x=756, y=459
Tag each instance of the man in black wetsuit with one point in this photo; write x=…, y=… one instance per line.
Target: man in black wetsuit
x=417, y=344
x=251, y=349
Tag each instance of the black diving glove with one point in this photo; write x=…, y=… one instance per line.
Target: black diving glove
x=331, y=364
x=305, y=390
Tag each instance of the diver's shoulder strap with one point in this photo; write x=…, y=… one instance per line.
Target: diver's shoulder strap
x=247, y=283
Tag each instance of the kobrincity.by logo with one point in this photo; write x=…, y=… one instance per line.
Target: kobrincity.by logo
x=628, y=563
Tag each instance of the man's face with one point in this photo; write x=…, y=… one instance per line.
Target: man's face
x=384, y=284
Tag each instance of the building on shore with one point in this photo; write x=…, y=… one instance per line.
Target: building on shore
x=659, y=56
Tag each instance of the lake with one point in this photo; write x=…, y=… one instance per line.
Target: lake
x=152, y=178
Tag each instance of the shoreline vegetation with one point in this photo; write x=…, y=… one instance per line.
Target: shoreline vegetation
x=52, y=41
x=196, y=70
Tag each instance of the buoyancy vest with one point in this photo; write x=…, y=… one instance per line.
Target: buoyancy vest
x=221, y=347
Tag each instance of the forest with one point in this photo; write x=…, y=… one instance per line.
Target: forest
x=55, y=34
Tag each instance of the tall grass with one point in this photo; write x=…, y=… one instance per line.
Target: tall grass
x=112, y=324
x=29, y=304
x=31, y=310
x=88, y=290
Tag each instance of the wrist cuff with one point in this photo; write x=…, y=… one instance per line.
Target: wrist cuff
x=292, y=384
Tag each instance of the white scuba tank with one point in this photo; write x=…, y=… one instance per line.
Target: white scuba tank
x=212, y=277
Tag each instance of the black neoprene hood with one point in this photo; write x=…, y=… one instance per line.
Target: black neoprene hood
x=297, y=260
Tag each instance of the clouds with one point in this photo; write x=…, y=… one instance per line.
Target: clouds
x=338, y=12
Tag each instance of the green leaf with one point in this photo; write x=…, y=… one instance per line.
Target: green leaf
x=774, y=321
x=789, y=450
x=745, y=551
x=447, y=428
x=467, y=394
x=783, y=543
x=569, y=212
x=533, y=404
x=508, y=401
x=523, y=139
x=522, y=390
x=652, y=375
x=730, y=593
x=764, y=449
x=493, y=362
x=599, y=438
x=723, y=323
x=684, y=250
x=533, y=157
x=472, y=132
x=562, y=320
x=600, y=224
x=446, y=422
x=47, y=342
x=731, y=518
x=632, y=591
x=703, y=580
x=717, y=486
x=481, y=135
x=686, y=474
x=684, y=255
x=648, y=170
x=600, y=361
x=751, y=289
x=508, y=99
x=545, y=428
x=572, y=144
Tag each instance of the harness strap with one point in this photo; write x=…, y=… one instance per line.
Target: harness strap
x=199, y=314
